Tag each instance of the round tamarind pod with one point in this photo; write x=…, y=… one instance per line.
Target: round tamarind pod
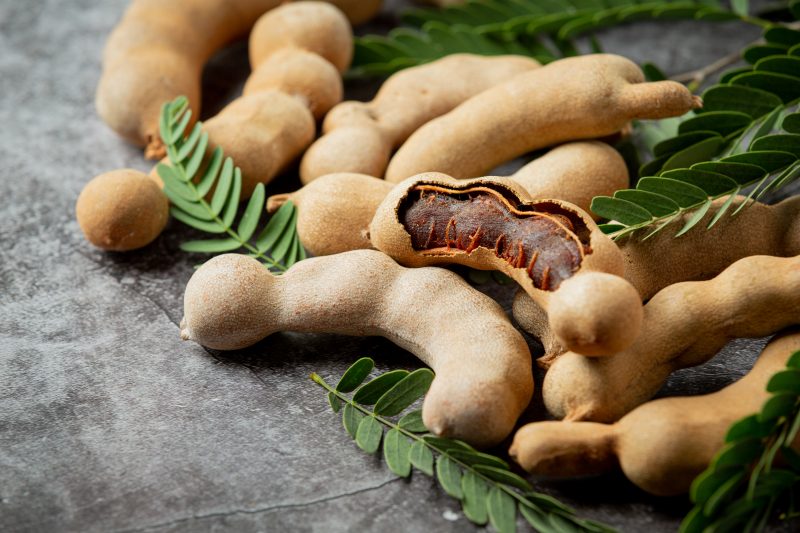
x=684, y=325
x=317, y=27
x=359, y=137
x=662, y=445
x=122, y=210
x=545, y=245
x=575, y=98
x=232, y=301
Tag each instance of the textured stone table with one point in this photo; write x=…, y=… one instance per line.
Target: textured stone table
x=108, y=422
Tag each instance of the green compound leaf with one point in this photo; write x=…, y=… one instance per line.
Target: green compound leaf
x=487, y=489
x=188, y=192
x=787, y=381
x=404, y=392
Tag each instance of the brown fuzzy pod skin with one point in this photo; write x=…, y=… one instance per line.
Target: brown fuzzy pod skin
x=124, y=221
x=334, y=211
x=270, y=125
x=360, y=136
x=483, y=369
x=157, y=53
x=684, y=325
x=551, y=248
x=570, y=99
x=700, y=254
x=662, y=445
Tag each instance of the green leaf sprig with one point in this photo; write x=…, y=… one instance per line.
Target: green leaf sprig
x=191, y=177
x=543, y=29
x=746, y=135
x=743, y=487
x=488, y=490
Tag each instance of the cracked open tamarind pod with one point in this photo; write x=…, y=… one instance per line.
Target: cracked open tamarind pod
x=157, y=53
x=684, y=325
x=553, y=249
x=662, y=445
x=482, y=363
x=576, y=98
x=263, y=130
x=359, y=137
x=335, y=210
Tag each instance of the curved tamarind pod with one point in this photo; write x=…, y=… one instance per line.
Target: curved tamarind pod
x=157, y=53
x=360, y=136
x=551, y=248
x=334, y=211
x=575, y=98
x=662, y=445
x=758, y=229
x=684, y=325
x=272, y=122
x=232, y=302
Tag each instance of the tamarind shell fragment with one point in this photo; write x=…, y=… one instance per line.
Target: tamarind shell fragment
x=553, y=249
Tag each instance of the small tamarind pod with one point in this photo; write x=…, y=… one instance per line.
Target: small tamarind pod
x=335, y=210
x=661, y=445
x=157, y=53
x=360, y=136
x=684, y=325
x=574, y=98
x=702, y=253
x=124, y=221
x=272, y=122
x=553, y=249
x=483, y=369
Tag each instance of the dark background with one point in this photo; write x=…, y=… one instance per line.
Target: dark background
x=108, y=422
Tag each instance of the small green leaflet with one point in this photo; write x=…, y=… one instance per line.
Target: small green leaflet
x=278, y=245
x=485, y=485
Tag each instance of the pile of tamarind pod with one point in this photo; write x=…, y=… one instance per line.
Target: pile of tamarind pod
x=662, y=445
x=392, y=189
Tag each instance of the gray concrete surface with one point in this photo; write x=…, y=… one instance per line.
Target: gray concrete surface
x=108, y=422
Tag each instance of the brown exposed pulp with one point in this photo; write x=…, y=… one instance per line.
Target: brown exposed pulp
x=544, y=238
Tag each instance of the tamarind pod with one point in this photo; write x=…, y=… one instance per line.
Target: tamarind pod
x=574, y=98
x=335, y=210
x=551, y=248
x=661, y=445
x=360, y=136
x=702, y=253
x=270, y=125
x=157, y=52
x=575, y=172
x=483, y=370
x=684, y=325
